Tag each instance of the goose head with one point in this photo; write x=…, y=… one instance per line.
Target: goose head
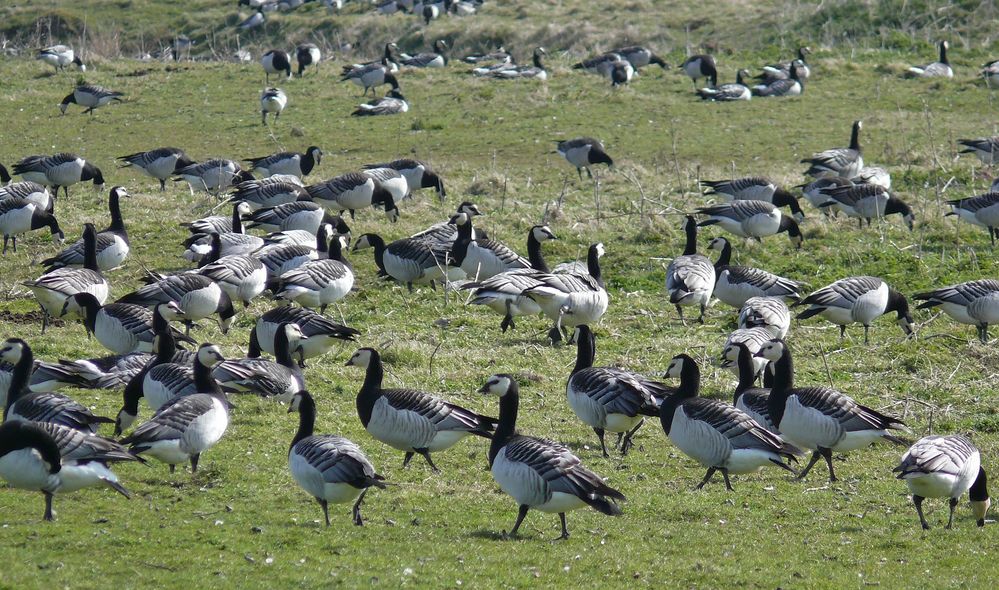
x=772, y=351
x=362, y=358
x=677, y=365
x=542, y=233
x=298, y=400
x=210, y=355
x=718, y=243
x=497, y=385
x=469, y=208
x=12, y=350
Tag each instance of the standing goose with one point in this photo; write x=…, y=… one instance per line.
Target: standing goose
x=270, y=192
x=442, y=235
x=973, y=302
x=754, y=338
x=437, y=58
x=986, y=149
x=307, y=54
x=290, y=163
x=124, y=328
x=482, y=258
x=281, y=257
x=59, y=170
x=718, y=436
x=752, y=219
x=243, y=278
x=982, y=211
x=584, y=152
x=212, y=176
x=91, y=96
x=857, y=299
x=609, y=399
x=198, y=296
x=318, y=283
x=18, y=216
x=945, y=467
x=601, y=64
x=418, y=174
x=755, y=188
x=728, y=92
x=160, y=163
x=392, y=103
x=820, y=418
x=60, y=56
x=409, y=261
x=815, y=191
x=328, y=467
x=112, y=246
x=371, y=76
x=752, y=400
x=304, y=215
x=572, y=299
x=275, y=61
x=701, y=66
x=793, y=85
x=938, y=69
x=737, y=284
x=278, y=380
x=29, y=191
x=320, y=334
x=187, y=426
x=272, y=100
x=410, y=420
x=539, y=473
x=766, y=312
x=690, y=278
x=846, y=162
x=867, y=202
x=348, y=192
x=393, y=182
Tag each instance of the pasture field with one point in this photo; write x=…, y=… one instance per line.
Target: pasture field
x=243, y=522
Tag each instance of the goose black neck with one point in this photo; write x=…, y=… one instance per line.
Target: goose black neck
x=725, y=257
x=306, y=417
x=20, y=376
x=534, y=254
x=979, y=491
x=783, y=372
x=507, y=425
x=282, y=348
x=943, y=54
x=855, y=137
x=114, y=208
x=691, y=230
x=801, y=54
x=747, y=373
x=308, y=162
x=371, y=388
x=237, y=221
x=586, y=349
x=537, y=61
x=336, y=252
x=378, y=244
x=90, y=249
x=593, y=265
x=203, y=380
x=690, y=381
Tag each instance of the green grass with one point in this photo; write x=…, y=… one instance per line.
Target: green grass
x=242, y=522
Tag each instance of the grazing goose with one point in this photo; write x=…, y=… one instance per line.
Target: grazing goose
x=418, y=174
x=54, y=289
x=572, y=299
x=280, y=258
x=755, y=188
x=820, y=418
x=22, y=404
x=752, y=400
x=124, y=328
x=330, y=468
x=735, y=285
x=437, y=58
x=410, y=420
x=867, y=202
x=600, y=65
x=782, y=70
x=270, y=192
x=846, y=162
x=31, y=192
x=857, y=299
x=718, y=436
x=945, y=467
x=974, y=302
x=243, y=278
x=481, y=258
x=307, y=54
x=213, y=176
x=60, y=56
x=766, y=312
x=303, y=215
x=90, y=96
x=320, y=334
x=701, y=66
x=59, y=170
x=159, y=381
x=990, y=72
x=272, y=100
x=318, y=283
x=371, y=76
x=115, y=371
x=442, y=235
x=690, y=278
x=277, y=380
x=198, y=297
x=220, y=223
x=639, y=56
x=728, y=92
x=790, y=86
x=392, y=103
x=873, y=175
x=275, y=61
x=349, y=192
x=160, y=163
x=609, y=399
x=393, y=182
x=938, y=69
x=535, y=71
x=815, y=191
x=986, y=149
x=186, y=426
x=409, y=261
x=112, y=245
x=290, y=163
x=539, y=473
x=584, y=152
x=982, y=211
x=18, y=216
x=752, y=219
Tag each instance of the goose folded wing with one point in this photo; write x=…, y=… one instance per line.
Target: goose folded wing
x=258, y=375
x=80, y=446
x=171, y=420
x=939, y=454
x=619, y=392
x=338, y=460
x=848, y=413
x=56, y=408
x=690, y=274
x=843, y=293
x=443, y=415
x=563, y=283
x=735, y=425
x=761, y=279
x=558, y=467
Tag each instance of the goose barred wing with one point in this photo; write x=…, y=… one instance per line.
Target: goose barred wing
x=511, y=282
x=510, y=258
x=618, y=391
x=832, y=159
x=738, y=210
x=171, y=288
x=735, y=425
x=170, y=421
x=58, y=409
x=443, y=415
x=844, y=292
x=80, y=446
x=339, y=460
x=564, y=283
x=561, y=470
x=98, y=91
x=261, y=376
x=315, y=274
x=67, y=280
x=73, y=255
x=773, y=285
x=841, y=408
x=851, y=195
x=144, y=159
x=175, y=378
x=690, y=273
x=961, y=294
x=972, y=204
x=231, y=268
x=936, y=454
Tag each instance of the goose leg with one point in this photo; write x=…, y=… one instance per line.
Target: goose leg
x=728, y=484
x=172, y=468
x=356, y=511
x=520, y=518
x=811, y=463
x=620, y=438
x=603, y=446
x=918, y=501
x=580, y=172
x=707, y=477
x=866, y=330
x=703, y=309
x=49, y=515
x=6, y=238
x=326, y=509
x=426, y=455
x=45, y=320
x=679, y=310
x=565, y=529
x=953, y=505
x=627, y=443
x=162, y=185
x=842, y=332
x=507, y=323
x=409, y=457
x=555, y=335
x=827, y=454
x=194, y=462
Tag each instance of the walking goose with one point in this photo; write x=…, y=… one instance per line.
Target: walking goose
x=59, y=171
x=938, y=69
x=318, y=283
x=736, y=284
x=187, y=426
x=571, y=299
x=90, y=96
x=609, y=399
x=290, y=163
x=973, y=302
x=307, y=54
x=752, y=219
x=112, y=246
x=718, y=436
x=392, y=103
x=982, y=211
x=481, y=258
x=198, y=296
x=755, y=188
x=31, y=192
x=690, y=278
x=320, y=334
x=584, y=152
x=371, y=76
x=701, y=66
x=349, y=192
x=535, y=71
x=418, y=174
x=270, y=192
x=303, y=215
x=846, y=162
x=410, y=420
x=409, y=261
x=728, y=92
x=750, y=399
x=275, y=61
x=437, y=58
x=821, y=419
x=793, y=85
x=160, y=163
x=330, y=468
x=60, y=56
x=18, y=216
x=124, y=328
x=945, y=467
x=272, y=100
x=213, y=176
x=766, y=312
x=867, y=202
x=22, y=404
x=986, y=149
x=857, y=299
x=539, y=473
x=278, y=380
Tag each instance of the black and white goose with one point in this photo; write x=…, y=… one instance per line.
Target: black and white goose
x=418, y=174
x=481, y=258
x=815, y=191
x=793, y=85
x=371, y=76
x=188, y=425
x=986, y=149
x=538, y=473
x=690, y=278
x=868, y=202
x=821, y=419
x=90, y=96
x=500, y=54
x=330, y=468
x=307, y=54
x=640, y=56
x=728, y=92
x=718, y=436
x=389, y=58
x=320, y=334
x=734, y=285
x=534, y=71
x=394, y=183
x=766, y=312
x=608, y=399
x=945, y=467
x=318, y=283
x=349, y=192
x=749, y=398
x=272, y=100
x=213, y=176
x=220, y=223
x=231, y=243
x=782, y=70
x=160, y=163
x=409, y=261
x=392, y=103
x=938, y=69
x=290, y=163
x=846, y=162
x=982, y=211
x=437, y=58
x=755, y=188
x=754, y=338
x=59, y=170
x=197, y=295
x=857, y=300
x=45, y=377
x=601, y=64
x=441, y=235
x=281, y=257
x=279, y=380
x=60, y=56
x=582, y=153
x=114, y=371
x=124, y=328
x=18, y=216
x=752, y=219
x=112, y=246
x=270, y=192
x=410, y=420
x=243, y=278
x=22, y=404
x=973, y=302
x=303, y=215
x=572, y=299
x=275, y=61
x=701, y=66
x=31, y=192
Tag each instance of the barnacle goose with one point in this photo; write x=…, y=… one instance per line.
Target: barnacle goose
x=945, y=467
x=18, y=216
x=846, y=162
x=275, y=61
x=873, y=175
x=371, y=76
x=410, y=420
x=718, y=436
x=279, y=258
x=272, y=100
x=782, y=70
x=242, y=277
x=815, y=191
x=330, y=468
x=437, y=58
x=307, y=54
x=747, y=397
x=640, y=56
x=389, y=59
x=349, y=192
x=701, y=66
x=115, y=371
x=481, y=258
x=22, y=404
x=409, y=261
x=766, y=312
x=31, y=192
x=536, y=70
x=442, y=234
x=571, y=299
x=982, y=211
x=418, y=174
x=392, y=103
x=124, y=328
x=160, y=163
x=752, y=219
x=45, y=377
x=754, y=338
x=986, y=149
x=270, y=192
x=279, y=380
x=867, y=202
x=728, y=92
x=973, y=302
x=197, y=295
x=857, y=299
x=320, y=334
x=793, y=85
x=112, y=245
x=393, y=182
x=188, y=425
x=213, y=176
x=318, y=283
x=583, y=152
x=500, y=54
x=290, y=163
x=820, y=418
x=90, y=96
x=538, y=473
x=231, y=243
x=609, y=399
x=60, y=56
x=938, y=69
x=690, y=278
x=734, y=285
x=621, y=72
x=303, y=215
x=601, y=64
x=755, y=188
x=220, y=223
x=59, y=170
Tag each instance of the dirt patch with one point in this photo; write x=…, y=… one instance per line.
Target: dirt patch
x=27, y=318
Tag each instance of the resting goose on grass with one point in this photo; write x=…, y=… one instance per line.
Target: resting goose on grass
x=857, y=299
x=868, y=202
x=938, y=69
x=782, y=70
x=790, y=86
x=60, y=56
x=728, y=92
x=197, y=295
x=572, y=299
x=124, y=328
x=752, y=219
x=410, y=420
x=534, y=71
x=272, y=100
x=500, y=54
x=45, y=377
x=159, y=163
x=846, y=162
x=755, y=188
x=112, y=246
x=59, y=171
x=409, y=261
x=766, y=312
x=582, y=153
x=973, y=302
x=349, y=192
x=318, y=283
x=90, y=96
x=418, y=174
x=31, y=192
x=945, y=467
x=982, y=211
x=735, y=285
x=701, y=66
x=821, y=419
x=320, y=334
x=690, y=278
x=275, y=61
x=392, y=103
x=307, y=54
x=213, y=176
x=290, y=163
x=279, y=380
x=437, y=58
x=115, y=371
x=18, y=216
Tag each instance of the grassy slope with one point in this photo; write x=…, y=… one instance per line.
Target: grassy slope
x=437, y=530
